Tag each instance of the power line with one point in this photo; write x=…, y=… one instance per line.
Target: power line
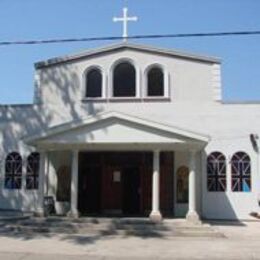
x=112, y=38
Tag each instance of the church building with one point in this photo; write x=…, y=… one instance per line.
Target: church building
x=131, y=130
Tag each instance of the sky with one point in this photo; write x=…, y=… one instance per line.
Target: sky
x=47, y=19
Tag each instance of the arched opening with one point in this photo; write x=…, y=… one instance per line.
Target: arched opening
x=94, y=83
x=124, y=80
x=241, y=172
x=216, y=172
x=155, y=82
x=13, y=171
x=32, y=171
x=182, y=184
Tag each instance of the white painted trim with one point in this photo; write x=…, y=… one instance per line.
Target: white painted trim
x=216, y=82
x=93, y=119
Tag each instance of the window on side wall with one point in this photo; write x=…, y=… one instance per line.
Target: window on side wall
x=241, y=172
x=13, y=171
x=32, y=171
x=216, y=172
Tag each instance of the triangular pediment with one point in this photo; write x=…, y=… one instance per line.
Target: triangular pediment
x=115, y=128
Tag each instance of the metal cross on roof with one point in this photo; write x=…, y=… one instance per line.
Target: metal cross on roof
x=125, y=19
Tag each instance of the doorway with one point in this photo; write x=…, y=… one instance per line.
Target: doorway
x=116, y=183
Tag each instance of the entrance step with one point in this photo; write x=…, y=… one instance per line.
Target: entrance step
x=110, y=227
x=14, y=215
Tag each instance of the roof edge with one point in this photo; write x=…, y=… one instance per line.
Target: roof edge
x=241, y=102
x=127, y=45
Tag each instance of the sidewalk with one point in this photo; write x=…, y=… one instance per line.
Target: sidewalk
x=240, y=241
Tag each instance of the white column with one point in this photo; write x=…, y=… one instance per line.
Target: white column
x=192, y=214
x=42, y=184
x=74, y=184
x=155, y=214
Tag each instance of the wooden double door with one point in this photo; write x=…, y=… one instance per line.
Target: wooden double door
x=120, y=183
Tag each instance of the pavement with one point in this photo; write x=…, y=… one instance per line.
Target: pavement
x=239, y=240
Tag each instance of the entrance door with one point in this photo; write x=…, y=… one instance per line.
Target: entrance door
x=131, y=190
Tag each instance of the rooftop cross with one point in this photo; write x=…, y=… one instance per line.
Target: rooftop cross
x=125, y=19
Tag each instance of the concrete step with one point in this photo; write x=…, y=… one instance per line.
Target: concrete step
x=116, y=232
x=110, y=227
x=14, y=215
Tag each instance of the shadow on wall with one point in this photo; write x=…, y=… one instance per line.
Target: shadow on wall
x=63, y=87
x=62, y=104
x=217, y=205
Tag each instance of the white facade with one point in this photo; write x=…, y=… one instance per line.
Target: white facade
x=190, y=118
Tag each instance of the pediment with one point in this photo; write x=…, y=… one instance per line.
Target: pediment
x=115, y=128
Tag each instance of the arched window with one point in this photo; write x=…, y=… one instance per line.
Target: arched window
x=241, y=172
x=32, y=171
x=63, y=185
x=13, y=171
x=94, y=83
x=155, y=82
x=216, y=171
x=124, y=80
x=183, y=184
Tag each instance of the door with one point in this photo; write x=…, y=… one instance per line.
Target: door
x=131, y=190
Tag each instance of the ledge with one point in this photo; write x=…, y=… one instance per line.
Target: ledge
x=127, y=99
x=159, y=99
x=94, y=100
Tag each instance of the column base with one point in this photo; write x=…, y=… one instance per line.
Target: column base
x=193, y=217
x=73, y=214
x=155, y=216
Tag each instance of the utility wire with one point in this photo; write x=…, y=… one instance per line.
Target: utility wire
x=112, y=38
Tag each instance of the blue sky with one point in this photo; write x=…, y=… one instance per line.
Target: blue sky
x=44, y=19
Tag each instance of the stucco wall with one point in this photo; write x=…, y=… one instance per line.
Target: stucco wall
x=194, y=88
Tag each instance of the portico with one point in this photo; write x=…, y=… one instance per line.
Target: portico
x=116, y=132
